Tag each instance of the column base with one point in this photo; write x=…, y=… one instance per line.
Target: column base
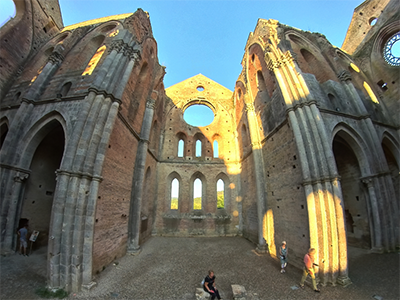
x=89, y=285
x=344, y=281
x=377, y=250
x=134, y=250
x=262, y=249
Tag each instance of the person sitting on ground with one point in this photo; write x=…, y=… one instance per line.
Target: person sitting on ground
x=283, y=252
x=209, y=285
x=309, y=269
x=23, y=233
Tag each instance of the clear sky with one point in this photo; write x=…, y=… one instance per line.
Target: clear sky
x=209, y=37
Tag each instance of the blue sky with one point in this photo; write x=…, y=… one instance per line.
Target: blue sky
x=209, y=37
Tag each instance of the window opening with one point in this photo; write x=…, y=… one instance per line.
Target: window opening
x=198, y=115
x=391, y=51
x=181, y=146
x=383, y=85
x=198, y=148
x=220, y=194
x=215, y=146
x=197, y=194
x=174, y=194
x=94, y=61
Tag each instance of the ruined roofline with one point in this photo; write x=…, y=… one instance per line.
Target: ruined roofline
x=97, y=21
x=197, y=76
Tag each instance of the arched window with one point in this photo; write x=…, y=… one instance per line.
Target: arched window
x=174, y=193
x=220, y=194
x=181, y=146
x=215, y=146
x=198, y=148
x=197, y=194
x=65, y=89
x=94, y=61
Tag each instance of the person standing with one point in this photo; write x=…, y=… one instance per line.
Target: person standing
x=283, y=252
x=309, y=269
x=209, y=285
x=23, y=233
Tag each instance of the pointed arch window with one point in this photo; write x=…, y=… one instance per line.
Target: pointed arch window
x=198, y=148
x=181, y=146
x=197, y=194
x=220, y=194
x=215, y=148
x=175, y=194
x=94, y=61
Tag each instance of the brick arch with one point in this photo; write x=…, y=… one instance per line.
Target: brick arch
x=170, y=178
x=227, y=189
x=199, y=137
x=202, y=177
x=309, y=58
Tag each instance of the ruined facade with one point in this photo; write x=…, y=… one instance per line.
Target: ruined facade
x=92, y=143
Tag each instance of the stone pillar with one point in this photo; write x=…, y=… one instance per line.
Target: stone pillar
x=44, y=77
x=138, y=177
x=12, y=222
x=259, y=175
x=377, y=245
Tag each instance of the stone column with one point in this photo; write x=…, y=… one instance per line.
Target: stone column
x=377, y=246
x=44, y=77
x=138, y=177
x=12, y=222
x=259, y=175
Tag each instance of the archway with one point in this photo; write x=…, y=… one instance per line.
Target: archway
x=40, y=186
x=356, y=209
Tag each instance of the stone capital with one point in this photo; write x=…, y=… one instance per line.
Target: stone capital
x=250, y=107
x=150, y=103
x=21, y=177
x=344, y=75
x=56, y=58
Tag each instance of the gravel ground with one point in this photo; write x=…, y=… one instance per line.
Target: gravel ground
x=172, y=268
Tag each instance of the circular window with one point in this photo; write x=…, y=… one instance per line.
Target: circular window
x=198, y=115
x=391, y=51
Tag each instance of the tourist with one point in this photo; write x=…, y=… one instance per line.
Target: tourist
x=209, y=285
x=283, y=252
x=309, y=269
x=23, y=233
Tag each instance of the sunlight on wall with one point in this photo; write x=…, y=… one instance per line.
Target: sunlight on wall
x=36, y=76
x=354, y=67
x=94, y=61
x=269, y=231
x=370, y=93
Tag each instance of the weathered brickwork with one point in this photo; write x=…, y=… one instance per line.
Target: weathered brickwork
x=92, y=142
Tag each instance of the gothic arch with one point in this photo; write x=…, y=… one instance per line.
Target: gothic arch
x=37, y=132
x=198, y=175
x=392, y=144
x=170, y=178
x=227, y=189
x=356, y=143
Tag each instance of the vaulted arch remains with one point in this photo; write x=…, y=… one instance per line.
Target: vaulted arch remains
x=356, y=204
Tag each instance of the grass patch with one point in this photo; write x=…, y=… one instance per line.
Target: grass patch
x=47, y=294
